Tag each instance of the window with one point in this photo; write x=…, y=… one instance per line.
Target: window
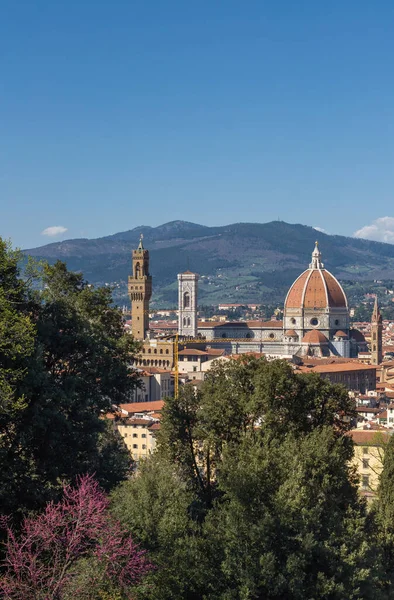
x=314, y=322
x=161, y=351
x=144, y=446
x=194, y=368
x=293, y=321
x=125, y=435
x=143, y=435
x=365, y=463
x=365, y=450
x=365, y=481
x=135, y=446
x=135, y=435
x=186, y=300
x=167, y=351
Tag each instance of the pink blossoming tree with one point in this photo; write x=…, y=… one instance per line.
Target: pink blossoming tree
x=42, y=562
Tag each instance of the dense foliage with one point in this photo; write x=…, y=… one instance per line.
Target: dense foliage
x=64, y=358
x=252, y=493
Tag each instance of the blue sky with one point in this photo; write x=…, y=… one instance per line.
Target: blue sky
x=118, y=113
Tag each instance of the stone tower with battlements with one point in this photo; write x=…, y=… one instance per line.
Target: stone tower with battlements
x=376, y=335
x=187, y=304
x=140, y=291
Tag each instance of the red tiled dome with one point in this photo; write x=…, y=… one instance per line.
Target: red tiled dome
x=316, y=288
x=315, y=337
x=291, y=333
x=340, y=334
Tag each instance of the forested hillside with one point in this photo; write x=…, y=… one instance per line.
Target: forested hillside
x=244, y=262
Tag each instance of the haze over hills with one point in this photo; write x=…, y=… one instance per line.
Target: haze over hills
x=243, y=262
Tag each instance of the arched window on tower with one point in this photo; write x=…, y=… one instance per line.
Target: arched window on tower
x=184, y=321
x=137, y=270
x=188, y=321
x=186, y=300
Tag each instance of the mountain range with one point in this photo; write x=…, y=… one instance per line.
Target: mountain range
x=243, y=262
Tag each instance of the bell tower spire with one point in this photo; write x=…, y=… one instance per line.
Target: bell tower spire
x=376, y=334
x=140, y=291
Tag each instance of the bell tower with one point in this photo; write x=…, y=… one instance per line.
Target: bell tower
x=140, y=291
x=187, y=304
x=376, y=334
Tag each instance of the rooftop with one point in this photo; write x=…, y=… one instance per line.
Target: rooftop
x=138, y=407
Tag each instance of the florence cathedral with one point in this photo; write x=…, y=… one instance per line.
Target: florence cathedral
x=316, y=320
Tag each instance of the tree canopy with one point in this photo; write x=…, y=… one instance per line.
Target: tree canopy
x=64, y=359
x=251, y=494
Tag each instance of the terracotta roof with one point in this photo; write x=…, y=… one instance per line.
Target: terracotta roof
x=155, y=370
x=340, y=333
x=291, y=333
x=369, y=437
x=215, y=351
x=331, y=360
x=315, y=337
x=336, y=296
x=138, y=407
x=315, y=288
x=135, y=421
x=271, y=324
x=337, y=368
x=294, y=296
x=155, y=427
x=367, y=409
x=192, y=352
x=155, y=415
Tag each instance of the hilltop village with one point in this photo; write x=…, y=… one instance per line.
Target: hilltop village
x=315, y=335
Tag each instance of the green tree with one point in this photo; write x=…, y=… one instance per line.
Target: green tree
x=383, y=511
x=161, y=511
x=290, y=524
x=270, y=505
x=64, y=359
x=236, y=396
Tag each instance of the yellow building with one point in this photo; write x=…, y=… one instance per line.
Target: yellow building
x=139, y=434
x=369, y=447
x=156, y=353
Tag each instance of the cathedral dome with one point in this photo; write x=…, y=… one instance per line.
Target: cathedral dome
x=314, y=337
x=316, y=288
